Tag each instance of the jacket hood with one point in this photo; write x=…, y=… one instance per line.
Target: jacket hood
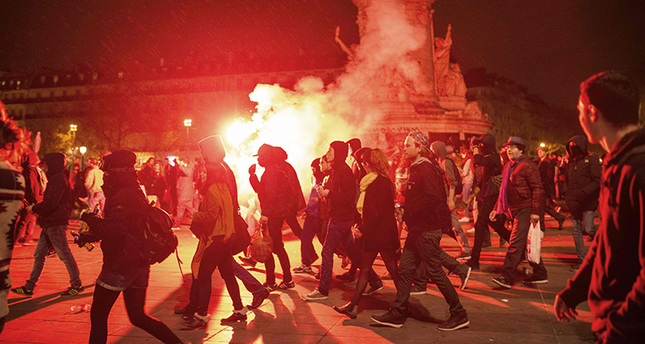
x=355, y=144
x=55, y=162
x=577, y=146
x=439, y=149
x=487, y=144
x=340, y=150
x=627, y=146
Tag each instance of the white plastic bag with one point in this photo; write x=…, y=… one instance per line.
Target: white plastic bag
x=534, y=243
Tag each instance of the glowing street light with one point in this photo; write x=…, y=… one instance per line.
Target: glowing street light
x=542, y=145
x=73, y=127
x=188, y=123
x=83, y=150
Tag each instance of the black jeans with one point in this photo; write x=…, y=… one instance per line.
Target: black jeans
x=367, y=259
x=485, y=206
x=275, y=231
x=423, y=247
x=516, y=251
x=135, y=299
x=217, y=255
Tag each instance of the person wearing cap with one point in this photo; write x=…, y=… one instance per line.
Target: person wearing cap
x=340, y=192
x=547, y=172
x=522, y=196
x=280, y=200
x=53, y=214
x=427, y=215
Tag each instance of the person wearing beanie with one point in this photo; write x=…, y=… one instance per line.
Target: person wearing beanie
x=280, y=200
x=121, y=234
x=340, y=192
x=53, y=213
x=427, y=215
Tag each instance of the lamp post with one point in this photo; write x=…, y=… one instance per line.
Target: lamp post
x=82, y=149
x=188, y=123
x=73, y=128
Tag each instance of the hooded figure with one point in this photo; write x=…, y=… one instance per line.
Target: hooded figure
x=582, y=177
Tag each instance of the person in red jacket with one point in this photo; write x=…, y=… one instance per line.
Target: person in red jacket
x=522, y=196
x=612, y=275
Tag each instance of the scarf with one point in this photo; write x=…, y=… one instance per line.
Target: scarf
x=365, y=182
x=502, y=201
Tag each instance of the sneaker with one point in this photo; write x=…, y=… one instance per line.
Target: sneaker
x=303, y=269
x=30, y=243
x=185, y=310
x=270, y=287
x=464, y=219
x=235, y=317
x=453, y=323
x=348, y=309
x=473, y=264
x=464, y=278
x=535, y=280
x=23, y=291
x=286, y=285
x=314, y=296
x=258, y=299
x=196, y=321
x=502, y=242
x=372, y=290
x=347, y=277
x=503, y=282
x=71, y=291
x=561, y=223
x=470, y=231
x=418, y=290
x=463, y=256
x=388, y=319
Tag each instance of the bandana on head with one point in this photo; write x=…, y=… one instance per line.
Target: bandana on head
x=421, y=138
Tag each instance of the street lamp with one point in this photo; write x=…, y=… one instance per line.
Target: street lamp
x=73, y=128
x=188, y=123
x=542, y=145
x=82, y=149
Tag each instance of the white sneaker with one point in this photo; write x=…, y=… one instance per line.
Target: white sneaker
x=313, y=296
x=471, y=231
x=464, y=219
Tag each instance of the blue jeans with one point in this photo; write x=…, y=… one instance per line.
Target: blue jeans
x=58, y=239
x=250, y=283
x=311, y=227
x=337, y=232
x=578, y=221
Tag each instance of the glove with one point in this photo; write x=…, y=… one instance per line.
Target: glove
x=87, y=217
x=252, y=169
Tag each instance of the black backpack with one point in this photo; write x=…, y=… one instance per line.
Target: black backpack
x=159, y=240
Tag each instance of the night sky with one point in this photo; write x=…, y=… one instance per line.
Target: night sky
x=546, y=46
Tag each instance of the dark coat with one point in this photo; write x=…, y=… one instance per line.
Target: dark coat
x=56, y=206
x=379, y=224
x=612, y=276
x=524, y=189
x=547, y=172
x=121, y=228
x=487, y=165
x=582, y=177
x=426, y=202
x=33, y=190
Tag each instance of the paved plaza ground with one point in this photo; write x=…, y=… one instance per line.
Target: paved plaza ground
x=519, y=315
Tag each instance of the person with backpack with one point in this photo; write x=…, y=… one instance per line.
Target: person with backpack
x=126, y=264
x=453, y=188
x=612, y=276
x=582, y=172
x=53, y=214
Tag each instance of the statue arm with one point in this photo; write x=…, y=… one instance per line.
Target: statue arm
x=342, y=45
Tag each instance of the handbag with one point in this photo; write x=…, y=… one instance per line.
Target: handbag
x=261, y=247
x=241, y=237
x=534, y=243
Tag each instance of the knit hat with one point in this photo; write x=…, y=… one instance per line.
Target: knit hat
x=421, y=138
x=212, y=148
x=119, y=161
x=355, y=145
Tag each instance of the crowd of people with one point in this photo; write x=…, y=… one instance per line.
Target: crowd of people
x=362, y=203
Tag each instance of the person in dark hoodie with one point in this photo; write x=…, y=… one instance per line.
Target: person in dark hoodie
x=53, y=213
x=313, y=222
x=121, y=233
x=426, y=214
x=280, y=199
x=612, y=276
x=340, y=192
x=582, y=173
x=488, y=178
